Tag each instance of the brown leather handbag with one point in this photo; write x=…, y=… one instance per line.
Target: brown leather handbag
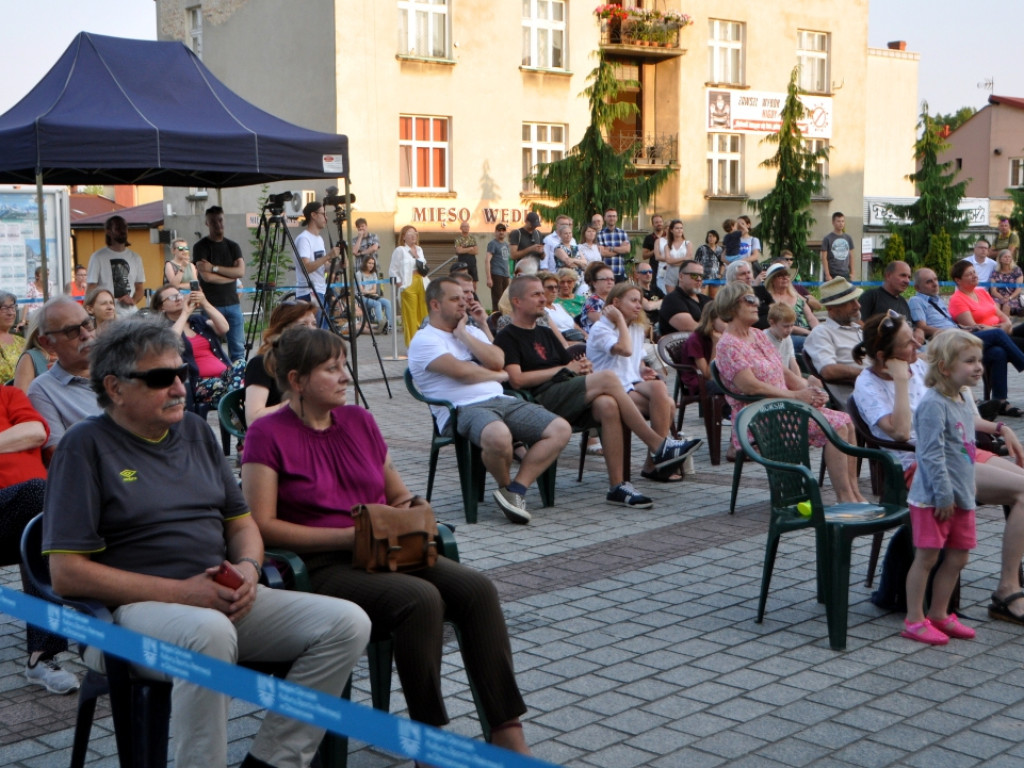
x=395, y=540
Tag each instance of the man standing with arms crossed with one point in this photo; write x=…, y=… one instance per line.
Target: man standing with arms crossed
x=613, y=243
x=220, y=265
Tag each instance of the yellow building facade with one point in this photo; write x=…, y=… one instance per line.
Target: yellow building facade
x=448, y=104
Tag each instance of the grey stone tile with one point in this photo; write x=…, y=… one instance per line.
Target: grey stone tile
x=940, y=757
x=869, y=755
x=691, y=758
x=591, y=737
x=619, y=756
x=831, y=733
x=729, y=744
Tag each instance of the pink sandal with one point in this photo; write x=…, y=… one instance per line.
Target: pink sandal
x=952, y=627
x=924, y=632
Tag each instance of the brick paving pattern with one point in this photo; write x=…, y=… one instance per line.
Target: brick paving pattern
x=635, y=641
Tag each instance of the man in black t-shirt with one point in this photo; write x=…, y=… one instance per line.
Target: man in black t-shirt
x=537, y=362
x=651, y=241
x=220, y=265
x=681, y=309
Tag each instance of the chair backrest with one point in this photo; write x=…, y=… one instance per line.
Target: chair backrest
x=415, y=392
x=864, y=430
x=670, y=349
x=780, y=431
x=231, y=411
x=716, y=375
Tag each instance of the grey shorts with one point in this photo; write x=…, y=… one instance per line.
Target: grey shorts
x=526, y=421
x=569, y=400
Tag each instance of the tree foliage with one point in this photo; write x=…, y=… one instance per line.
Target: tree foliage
x=955, y=119
x=1017, y=214
x=940, y=254
x=939, y=194
x=593, y=177
x=893, y=250
x=785, y=211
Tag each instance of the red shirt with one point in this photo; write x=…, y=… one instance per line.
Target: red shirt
x=18, y=467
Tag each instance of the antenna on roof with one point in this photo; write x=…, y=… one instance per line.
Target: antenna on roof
x=988, y=85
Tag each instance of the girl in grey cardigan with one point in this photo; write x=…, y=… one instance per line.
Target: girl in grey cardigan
x=941, y=495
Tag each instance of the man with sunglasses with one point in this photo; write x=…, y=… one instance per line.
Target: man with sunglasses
x=651, y=295
x=149, y=527
x=681, y=309
x=62, y=395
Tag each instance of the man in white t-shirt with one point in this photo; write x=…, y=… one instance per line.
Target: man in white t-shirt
x=117, y=269
x=313, y=252
x=451, y=360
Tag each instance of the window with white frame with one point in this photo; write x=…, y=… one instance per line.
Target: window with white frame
x=195, y=30
x=542, y=143
x=423, y=153
x=725, y=51
x=812, y=50
x=544, y=34
x=423, y=28
x=725, y=164
x=814, y=145
x=1017, y=171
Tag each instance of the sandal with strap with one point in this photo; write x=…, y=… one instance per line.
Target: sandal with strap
x=1010, y=410
x=1000, y=608
x=951, y=627
x=924, y=632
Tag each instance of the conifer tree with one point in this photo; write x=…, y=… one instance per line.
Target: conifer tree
x=785, y=211
x=593, y=177
x=939, y=194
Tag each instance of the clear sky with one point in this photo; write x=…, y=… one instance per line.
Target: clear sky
x=961, y=43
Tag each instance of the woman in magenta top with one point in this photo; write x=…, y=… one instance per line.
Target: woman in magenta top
x=305, y=467
x=750, y=365
x=970, y=307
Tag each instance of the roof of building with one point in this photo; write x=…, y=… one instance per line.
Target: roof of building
x=143, y=216
x=1008, y=101
x=85, y=205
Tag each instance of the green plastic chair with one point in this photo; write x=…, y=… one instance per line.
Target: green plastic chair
x=779, y=427
x=380, y=653
x=472, y=475
x=231, y=412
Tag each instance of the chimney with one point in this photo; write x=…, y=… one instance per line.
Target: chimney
x=898, y=45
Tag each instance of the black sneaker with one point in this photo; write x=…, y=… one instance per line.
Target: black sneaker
x=674, y=452
x=625, y=495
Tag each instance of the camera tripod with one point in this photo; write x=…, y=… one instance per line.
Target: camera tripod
x=353, y=295
x=275, y=234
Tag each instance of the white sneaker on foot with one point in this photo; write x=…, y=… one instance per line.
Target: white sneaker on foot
x=48, y=673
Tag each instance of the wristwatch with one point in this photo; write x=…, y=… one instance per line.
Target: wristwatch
x=259, y=569
x=215, y=269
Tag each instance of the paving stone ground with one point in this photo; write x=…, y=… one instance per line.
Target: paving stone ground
x=635, y=641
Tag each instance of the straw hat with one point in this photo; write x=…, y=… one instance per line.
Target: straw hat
x=838, y=291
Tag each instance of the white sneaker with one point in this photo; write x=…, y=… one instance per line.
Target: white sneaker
x=48, y=673
x=513, y=505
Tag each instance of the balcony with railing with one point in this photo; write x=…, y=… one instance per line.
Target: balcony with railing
x=641, y=34
x=649, y=151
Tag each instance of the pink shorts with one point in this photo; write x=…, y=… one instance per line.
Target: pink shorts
x=955, y=533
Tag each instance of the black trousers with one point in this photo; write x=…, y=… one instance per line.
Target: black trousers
x=412, y=608
x=19, y=504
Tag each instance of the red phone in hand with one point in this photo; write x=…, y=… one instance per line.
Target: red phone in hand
x=229, y=576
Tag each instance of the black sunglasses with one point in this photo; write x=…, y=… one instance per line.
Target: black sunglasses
x=72, y=332
x=160, y=378
x=891, y=318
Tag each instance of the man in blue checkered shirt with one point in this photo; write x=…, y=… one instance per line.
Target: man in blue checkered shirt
x=613, y=243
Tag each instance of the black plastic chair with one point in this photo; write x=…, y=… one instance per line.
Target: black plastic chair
x=231, y=412
x=780, y=427
x=141, y=707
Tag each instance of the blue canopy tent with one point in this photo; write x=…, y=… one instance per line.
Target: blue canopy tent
x=120, y=111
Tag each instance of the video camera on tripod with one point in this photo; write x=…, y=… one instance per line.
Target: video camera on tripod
x=275, y=203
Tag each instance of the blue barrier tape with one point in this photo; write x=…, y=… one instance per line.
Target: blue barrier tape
x=395, y=734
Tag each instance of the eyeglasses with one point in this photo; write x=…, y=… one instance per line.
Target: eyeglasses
x=694, y=275
x=72, y=332
x=181, y=248
x=750, y=298
x=8, y=307
x=603, y=279
x=645, y=272
x=550, y=287
x=160, y=378
x=175, y=297
x=891, y=318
